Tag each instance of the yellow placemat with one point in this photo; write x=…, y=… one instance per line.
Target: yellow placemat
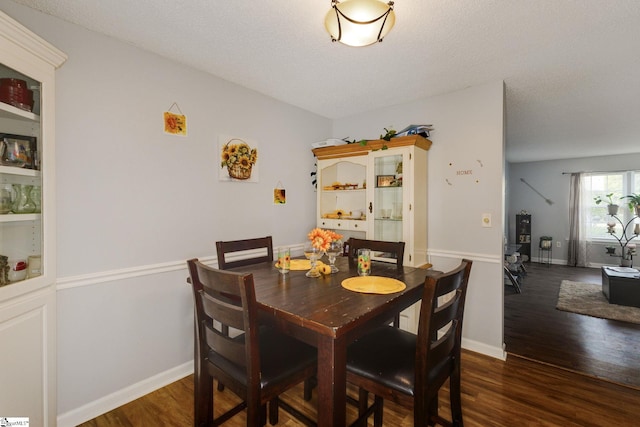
x=300, y=264
x=373, y=285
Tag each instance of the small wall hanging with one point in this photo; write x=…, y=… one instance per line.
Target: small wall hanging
x=238, y=159
x=279, y=197
x=175, y=124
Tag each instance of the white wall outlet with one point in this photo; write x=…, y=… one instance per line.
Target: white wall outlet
x=558, y=244
x=486, y=220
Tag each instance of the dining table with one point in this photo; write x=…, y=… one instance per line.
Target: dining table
x=324, y=314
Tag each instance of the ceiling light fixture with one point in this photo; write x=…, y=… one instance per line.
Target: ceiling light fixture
x=359, y=22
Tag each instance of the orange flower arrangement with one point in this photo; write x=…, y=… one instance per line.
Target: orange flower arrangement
x=322, y=238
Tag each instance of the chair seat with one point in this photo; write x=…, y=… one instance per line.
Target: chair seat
x=276, y=364
x=393, y=364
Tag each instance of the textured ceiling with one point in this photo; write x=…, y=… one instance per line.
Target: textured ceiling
x=571, y=68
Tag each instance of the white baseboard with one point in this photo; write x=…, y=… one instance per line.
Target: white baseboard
x=110, y=402
x=478, y=347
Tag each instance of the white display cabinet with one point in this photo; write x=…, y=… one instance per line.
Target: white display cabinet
x=376, y=191
x=27, y=225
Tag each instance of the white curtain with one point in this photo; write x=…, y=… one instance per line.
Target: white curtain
x=577, y=256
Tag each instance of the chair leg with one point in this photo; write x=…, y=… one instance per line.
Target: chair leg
x=378, y=412
x=455, y=397
x=309, y=384
x=203, y=400
x=273, y=411
x=363, y=401
x=513, y=280
x=433, y=410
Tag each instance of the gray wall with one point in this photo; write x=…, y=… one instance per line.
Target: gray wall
x=553, y=220
x=468, y=136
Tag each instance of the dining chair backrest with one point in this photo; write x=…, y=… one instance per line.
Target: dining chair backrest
x=257, y=375
x=440, y=328
x=256, y=250
x=224, y=297
x=394, y=249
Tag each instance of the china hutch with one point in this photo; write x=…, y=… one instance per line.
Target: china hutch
x=27, y=225
x=376, y=191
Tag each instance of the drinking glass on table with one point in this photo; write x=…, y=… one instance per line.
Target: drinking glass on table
x=284, y=260
x=313, y=254
x=335, y=249
x=364, y=262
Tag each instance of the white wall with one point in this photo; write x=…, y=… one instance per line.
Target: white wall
x=134, y=204
x=468, y=135
x=553, y=220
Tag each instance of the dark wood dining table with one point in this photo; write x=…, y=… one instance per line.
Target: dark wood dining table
x=320, y=312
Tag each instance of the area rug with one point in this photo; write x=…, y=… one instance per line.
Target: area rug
x=587, y=298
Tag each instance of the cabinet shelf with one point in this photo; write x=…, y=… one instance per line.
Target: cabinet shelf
x=11, y=170
x=10, y=112
x=357, y=190
x=19, y=217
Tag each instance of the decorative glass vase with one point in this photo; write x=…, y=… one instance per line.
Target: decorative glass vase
x=5, y=200
x=36, y=198
x=22, y=202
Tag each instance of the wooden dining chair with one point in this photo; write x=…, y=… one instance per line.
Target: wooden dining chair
x=410, y=369
x=254, y=250
x=262, y=250
x=393, y=249
x=257, y=365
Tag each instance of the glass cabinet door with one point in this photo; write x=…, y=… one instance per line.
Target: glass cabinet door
x=21, y=234
x=388, y=202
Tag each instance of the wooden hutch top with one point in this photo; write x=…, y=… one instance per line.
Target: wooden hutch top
x=357, y=149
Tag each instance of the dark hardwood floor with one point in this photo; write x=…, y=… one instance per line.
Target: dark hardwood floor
x=517, y=392
x=536, y=330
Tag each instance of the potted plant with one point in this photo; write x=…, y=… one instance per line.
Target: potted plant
x=634, y=203
x=611, y=206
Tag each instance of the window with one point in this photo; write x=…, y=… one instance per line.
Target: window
x=596, y=216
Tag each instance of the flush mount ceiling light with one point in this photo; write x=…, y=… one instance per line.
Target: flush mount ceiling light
x=359, y=22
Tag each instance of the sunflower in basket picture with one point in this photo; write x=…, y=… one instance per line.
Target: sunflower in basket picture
x=238, y=160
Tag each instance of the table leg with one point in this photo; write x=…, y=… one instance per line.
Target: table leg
x=332, y=381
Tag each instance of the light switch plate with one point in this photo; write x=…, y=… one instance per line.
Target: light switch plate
x=486, y=220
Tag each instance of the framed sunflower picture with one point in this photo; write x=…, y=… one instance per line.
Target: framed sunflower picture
x=238, y=159
x=175, y=124
x=279, y=196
